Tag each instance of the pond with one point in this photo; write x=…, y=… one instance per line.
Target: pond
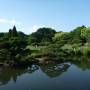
x=63, y=76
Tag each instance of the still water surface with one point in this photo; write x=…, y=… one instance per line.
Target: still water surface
x=46, y=77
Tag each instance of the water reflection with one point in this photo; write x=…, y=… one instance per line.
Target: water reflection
x=32, y=68
x=54, y=70
x=7, y=74
x=51, y=69
x=84, y=64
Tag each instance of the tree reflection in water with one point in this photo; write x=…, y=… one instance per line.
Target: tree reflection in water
x=7, y=74
x=51, y=69
x=54, y=70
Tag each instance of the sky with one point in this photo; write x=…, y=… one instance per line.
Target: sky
x=29, y=15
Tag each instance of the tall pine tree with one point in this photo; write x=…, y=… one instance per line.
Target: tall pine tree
x=14, y=32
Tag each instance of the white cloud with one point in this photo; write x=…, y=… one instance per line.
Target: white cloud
x=11, y=22
x=34, y=28
x=14, y=22
x=3, y=20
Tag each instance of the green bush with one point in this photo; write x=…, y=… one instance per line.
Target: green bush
x=86, y=50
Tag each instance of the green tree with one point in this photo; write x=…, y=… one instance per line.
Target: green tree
x=10, y=33
x=12, y=44
x=85, y=33
x=14, y=32
x=42, y=35
x=76, y=35
x=61, y=38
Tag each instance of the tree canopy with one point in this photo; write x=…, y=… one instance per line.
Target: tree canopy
x=14, y=43
x=42, y=35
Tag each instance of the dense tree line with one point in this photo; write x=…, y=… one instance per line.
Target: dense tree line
x=78, y=35
x=13, y=44
x=48, y=35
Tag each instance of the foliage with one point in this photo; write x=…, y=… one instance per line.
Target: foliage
x=13, y=44
x=85, y=33
x=44, y=42
x=61, y=38
x=42, y=35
